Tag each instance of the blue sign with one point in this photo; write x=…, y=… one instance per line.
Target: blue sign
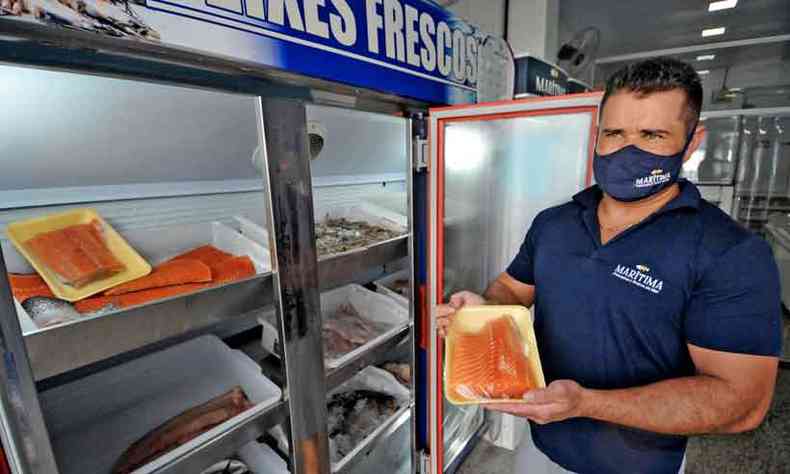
x=535, y=76
x=411, y=48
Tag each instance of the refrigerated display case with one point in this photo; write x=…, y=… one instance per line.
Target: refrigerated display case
x=493, y=168
x=184, y=126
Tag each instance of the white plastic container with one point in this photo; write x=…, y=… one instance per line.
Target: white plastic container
x=253, y=231
x=261, y=459
x=375, y=379
x=395, y=202
x=371, y=306
x=93, y=420
x=367, y=212
x=385, y=287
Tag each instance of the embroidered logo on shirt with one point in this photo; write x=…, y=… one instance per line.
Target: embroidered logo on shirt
x=657, y=176
x=640, y=277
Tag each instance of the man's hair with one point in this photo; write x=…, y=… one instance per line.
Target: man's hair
x=659, y=75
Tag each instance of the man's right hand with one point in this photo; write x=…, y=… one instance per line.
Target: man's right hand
x=445, y=312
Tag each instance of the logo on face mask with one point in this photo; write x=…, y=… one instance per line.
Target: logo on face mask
x=657, y=176
x=640, y=277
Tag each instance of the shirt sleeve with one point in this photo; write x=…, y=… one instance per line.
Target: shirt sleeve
x=736, y=304
x=522, y=268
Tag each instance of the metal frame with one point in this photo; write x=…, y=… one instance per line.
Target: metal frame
x=23, y=429
x=437, y=117
x=283, y=124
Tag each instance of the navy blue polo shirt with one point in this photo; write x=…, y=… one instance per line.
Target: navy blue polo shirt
x=621, y=314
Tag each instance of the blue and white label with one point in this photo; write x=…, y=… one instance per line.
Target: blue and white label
x=639, y=276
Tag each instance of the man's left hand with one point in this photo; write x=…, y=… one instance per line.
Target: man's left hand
x=561, y=400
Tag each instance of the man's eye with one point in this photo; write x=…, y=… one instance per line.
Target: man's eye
x=652, y=136
x=613, y=133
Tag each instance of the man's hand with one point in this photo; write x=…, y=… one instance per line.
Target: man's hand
x=561, y=400
x=445, y=312
x=15, y=7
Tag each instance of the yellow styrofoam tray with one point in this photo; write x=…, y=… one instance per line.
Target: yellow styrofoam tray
x=472, y=319
x=22, y=231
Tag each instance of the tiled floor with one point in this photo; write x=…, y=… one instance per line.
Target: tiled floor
x=764, y=451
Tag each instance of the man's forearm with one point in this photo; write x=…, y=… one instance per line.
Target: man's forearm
x=687, y=405
x=498, y=293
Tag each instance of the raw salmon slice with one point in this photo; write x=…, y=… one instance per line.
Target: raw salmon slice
x=27, y=286
x=90, y=239
x=91, y=305
x=77, y=254
x=174, y=272
x=207, y=254
x=489, y=364
x=233, y=269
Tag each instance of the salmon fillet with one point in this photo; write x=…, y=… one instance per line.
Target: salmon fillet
x=489, y=364
x=181, y=429
x=174, y=272
x=77, y=254
x=91, y=305
x=27, y=286
x=207, y=254
x=233, y=269
x=90, y=239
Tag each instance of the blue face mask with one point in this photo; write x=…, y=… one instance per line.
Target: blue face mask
x=630, y=173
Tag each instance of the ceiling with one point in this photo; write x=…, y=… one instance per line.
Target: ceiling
x=642, y=26
x=645, y=25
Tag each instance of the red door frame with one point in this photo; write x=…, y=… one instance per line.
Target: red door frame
x=441, y=123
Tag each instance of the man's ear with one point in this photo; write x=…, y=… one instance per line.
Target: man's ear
x=696, y=141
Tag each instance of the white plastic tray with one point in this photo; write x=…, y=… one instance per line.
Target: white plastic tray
x=253, y=231
x=367, y=212
x=373, y=307
x=383, y=287
x=94, y=420
x=395, y=202
x=373, y=378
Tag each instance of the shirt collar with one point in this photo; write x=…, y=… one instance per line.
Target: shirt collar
x=689, y=197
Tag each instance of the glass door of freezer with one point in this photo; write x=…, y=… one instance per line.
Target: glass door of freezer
x=493, y=167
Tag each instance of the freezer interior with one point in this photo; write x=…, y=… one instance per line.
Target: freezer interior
x=762, y=185
x=174, y=175
x=531, y=163
x=714, y=162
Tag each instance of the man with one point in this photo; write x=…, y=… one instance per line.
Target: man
x=657, y=316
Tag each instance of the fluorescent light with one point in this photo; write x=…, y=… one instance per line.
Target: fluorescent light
x=722, y=5
x=713, y=31
x=703, y=72
x=706, y=57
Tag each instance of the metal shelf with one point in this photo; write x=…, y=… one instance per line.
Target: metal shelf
x=373, y=356
x=355, y=266
x=379, y=437
x=61, y=349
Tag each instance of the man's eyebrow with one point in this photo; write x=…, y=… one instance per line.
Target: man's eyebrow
x=655, y=131
x=610, y=130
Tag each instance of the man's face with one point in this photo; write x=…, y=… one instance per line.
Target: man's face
x=656, y=123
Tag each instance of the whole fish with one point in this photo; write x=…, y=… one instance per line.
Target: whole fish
x=47, y=312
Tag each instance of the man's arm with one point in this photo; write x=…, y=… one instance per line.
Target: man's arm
x=731, y=393
x=507, y=290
